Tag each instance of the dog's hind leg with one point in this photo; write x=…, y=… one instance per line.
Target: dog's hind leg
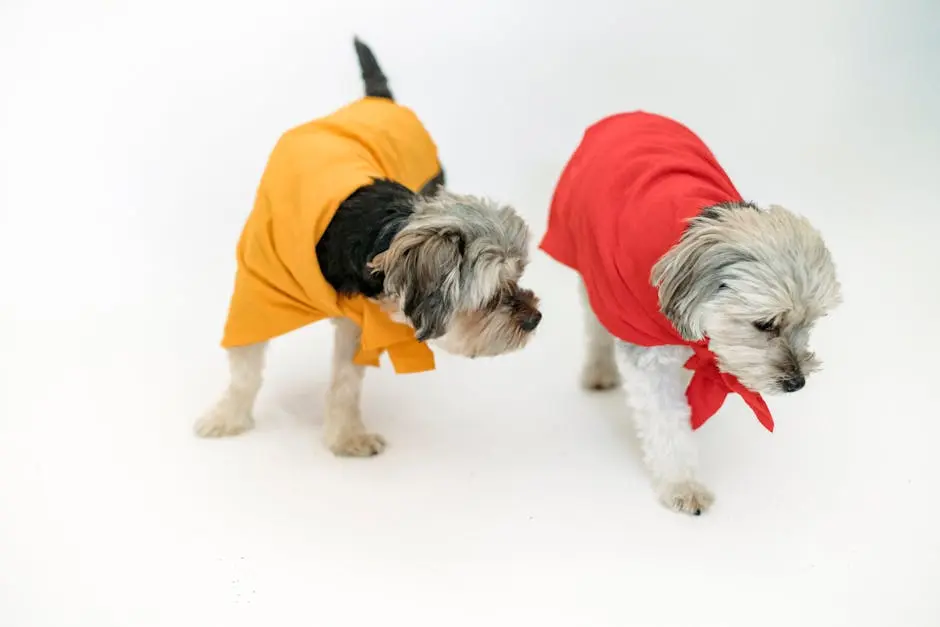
x=231, y=415
x=343, y=431
x=600, y=366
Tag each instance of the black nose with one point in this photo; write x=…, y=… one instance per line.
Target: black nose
x=531, y=322
x=794, y=383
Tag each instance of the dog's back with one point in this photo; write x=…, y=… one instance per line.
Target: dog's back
x=636, y=174
x=376, y=86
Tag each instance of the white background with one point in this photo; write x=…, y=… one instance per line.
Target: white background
x=132, y=136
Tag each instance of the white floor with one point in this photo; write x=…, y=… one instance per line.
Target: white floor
x=131, y=140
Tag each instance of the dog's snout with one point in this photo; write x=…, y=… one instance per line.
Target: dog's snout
x=531, y=321
x=793, y=383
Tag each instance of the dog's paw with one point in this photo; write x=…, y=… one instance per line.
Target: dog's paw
x=358, y=445
x=600, y=375
x=222, y=421
x=687, y=497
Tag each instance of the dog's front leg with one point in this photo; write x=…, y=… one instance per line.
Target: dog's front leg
x=655, y=383
x=343, y=430
x=231, y=415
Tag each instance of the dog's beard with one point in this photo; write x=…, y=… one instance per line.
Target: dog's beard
x=763, y=361
x=484, y=334
x=494, y=329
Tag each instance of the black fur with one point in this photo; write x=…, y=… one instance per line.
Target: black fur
x=428, y=313
x=432, y=186
x=715, y=212
x=372, y=75
x=363, y=227
x=376, y=85
x=367, y=221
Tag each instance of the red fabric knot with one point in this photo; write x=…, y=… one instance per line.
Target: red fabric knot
x=709, y=388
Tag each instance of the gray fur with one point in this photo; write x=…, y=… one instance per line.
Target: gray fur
x=453, y=272
x=694, y=270
x=737, y=268
x=426, y=276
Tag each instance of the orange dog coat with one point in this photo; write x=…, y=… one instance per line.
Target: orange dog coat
x=311, y=171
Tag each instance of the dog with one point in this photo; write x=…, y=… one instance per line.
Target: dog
x=690, y=292
x=353, y=222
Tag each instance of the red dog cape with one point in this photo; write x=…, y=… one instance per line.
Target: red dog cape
x=623, y=200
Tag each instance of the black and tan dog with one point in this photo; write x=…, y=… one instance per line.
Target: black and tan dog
x=352, y=223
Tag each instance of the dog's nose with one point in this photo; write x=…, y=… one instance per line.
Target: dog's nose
x=794, y=383
x=531, y=322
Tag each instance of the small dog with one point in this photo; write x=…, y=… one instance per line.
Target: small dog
x=352, y=223
x=679, y=271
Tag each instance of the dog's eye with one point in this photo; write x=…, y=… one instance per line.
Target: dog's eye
x=493, y=303
x=764, y=326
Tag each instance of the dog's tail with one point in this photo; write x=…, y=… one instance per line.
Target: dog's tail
x=372, y=75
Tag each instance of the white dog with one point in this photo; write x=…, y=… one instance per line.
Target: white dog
x=682, y=277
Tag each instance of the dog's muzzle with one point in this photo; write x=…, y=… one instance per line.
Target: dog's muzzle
x=531, y=322
x=793, y=383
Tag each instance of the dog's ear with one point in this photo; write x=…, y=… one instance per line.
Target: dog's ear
x=435, y=184
x=422, y=270
x=680, y=291
x=691, y=273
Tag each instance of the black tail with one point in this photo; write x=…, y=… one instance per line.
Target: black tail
x=375, y=80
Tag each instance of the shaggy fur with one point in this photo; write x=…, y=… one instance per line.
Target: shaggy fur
x=447, y=264
x=753, y=282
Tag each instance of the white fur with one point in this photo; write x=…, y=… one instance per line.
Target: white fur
x=232, y=414
x=456, y=266
x=343, y=432
x=654, y=382
x=753, y=282
x=600, y=366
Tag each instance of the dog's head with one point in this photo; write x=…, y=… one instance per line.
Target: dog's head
x=452, y=272
x=753, y=282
